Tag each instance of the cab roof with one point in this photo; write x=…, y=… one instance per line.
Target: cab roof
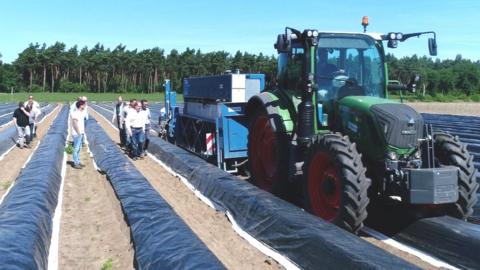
x=376, y=36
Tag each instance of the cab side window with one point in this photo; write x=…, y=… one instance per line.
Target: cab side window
x=290, y=69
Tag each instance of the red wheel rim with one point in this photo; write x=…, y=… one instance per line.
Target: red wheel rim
x=263, y=153
x=324, y=187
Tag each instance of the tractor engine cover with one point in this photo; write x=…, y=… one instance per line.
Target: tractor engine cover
x=400, y=124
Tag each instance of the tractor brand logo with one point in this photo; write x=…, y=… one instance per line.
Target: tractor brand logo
x=411, y=120
x=353, y=127
x=409, y=132
x=344, y=109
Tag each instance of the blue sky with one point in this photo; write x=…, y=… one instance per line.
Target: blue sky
x=232, y=25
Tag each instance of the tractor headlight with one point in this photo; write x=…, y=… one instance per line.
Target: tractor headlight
x=315, y=33
x=392, y=155
x=417, y=155
x=309, y=33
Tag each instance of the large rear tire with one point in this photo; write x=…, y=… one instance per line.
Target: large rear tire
x=335, y=185
x=267, y=152
x=451, y=152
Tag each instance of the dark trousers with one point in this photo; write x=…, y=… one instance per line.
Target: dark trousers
x=138, y=139
x=147, y=137
x=33, y=130
x=126, y=138
x=122, y=133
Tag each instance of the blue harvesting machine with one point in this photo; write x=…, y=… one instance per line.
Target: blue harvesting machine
x=212, y=122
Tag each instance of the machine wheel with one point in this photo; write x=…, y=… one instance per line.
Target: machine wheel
x=451, y=152
x=335, y=185
x=267, y=153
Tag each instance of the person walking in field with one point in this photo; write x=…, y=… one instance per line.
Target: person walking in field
x=86, y=116
x=123, y=116
x=126, y=111
x=78, y=131
x=135, y=126
x=34, y=103
x=21, y=122
x=148, y=126
x=118, y=118
x=34, y=112
x=73, y=108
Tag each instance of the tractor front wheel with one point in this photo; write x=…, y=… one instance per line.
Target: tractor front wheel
x=450, y=151
x=335, y=186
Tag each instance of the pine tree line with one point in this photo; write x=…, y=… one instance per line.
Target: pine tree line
x=57, y=68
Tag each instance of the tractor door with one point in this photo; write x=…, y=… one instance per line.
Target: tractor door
x=347, y=65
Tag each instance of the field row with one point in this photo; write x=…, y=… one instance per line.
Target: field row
x=173, y=210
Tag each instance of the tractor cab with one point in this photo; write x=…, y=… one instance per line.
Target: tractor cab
x=317, y=70
x=339, y=65
x=348, y=65
x=343, y=64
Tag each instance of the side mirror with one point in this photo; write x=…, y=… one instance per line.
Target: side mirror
x=283, y=44
x=412, y=85
x=432, y=46
x=394, y=85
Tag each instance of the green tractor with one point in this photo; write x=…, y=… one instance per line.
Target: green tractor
x=329, y=127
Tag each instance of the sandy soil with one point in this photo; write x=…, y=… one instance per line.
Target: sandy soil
x=404, y=255
x=13, y=162
x=93, y=231
x=212, y=227
x=456, y=108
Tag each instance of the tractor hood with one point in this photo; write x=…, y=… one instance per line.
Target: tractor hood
x=398, y=124
x=363, y=103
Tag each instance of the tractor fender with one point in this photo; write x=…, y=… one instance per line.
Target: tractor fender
x=280, y=119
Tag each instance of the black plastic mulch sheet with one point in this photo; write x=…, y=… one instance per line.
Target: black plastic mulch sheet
x=27, y=211
x=7, y=111
x=162, y=240
x=450, y=239
x=309, y=242
x=8, y=136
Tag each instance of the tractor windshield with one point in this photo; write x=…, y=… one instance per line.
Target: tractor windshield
x=348, y=65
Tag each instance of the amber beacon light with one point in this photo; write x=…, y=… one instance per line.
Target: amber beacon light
x=365, y=23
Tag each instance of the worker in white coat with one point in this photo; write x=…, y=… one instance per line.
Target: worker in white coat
x=34, y=112
x=135, y=126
